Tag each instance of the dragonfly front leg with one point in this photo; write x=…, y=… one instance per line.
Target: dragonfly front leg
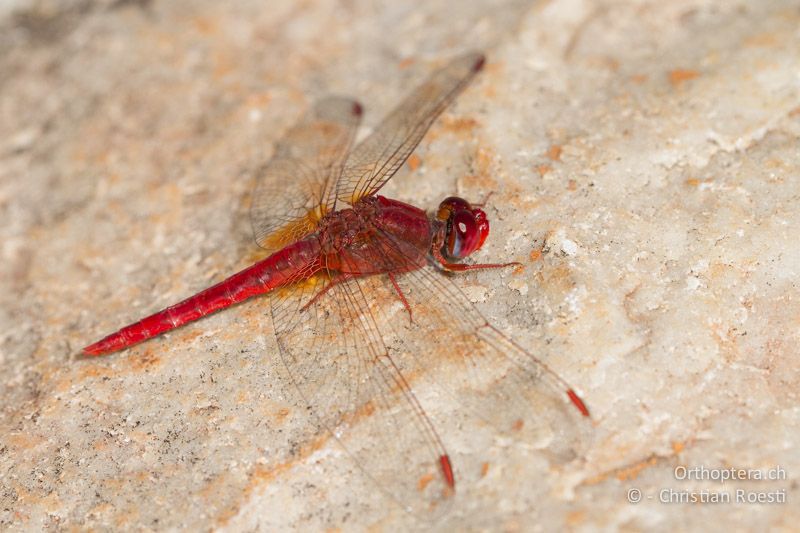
x=436, y=250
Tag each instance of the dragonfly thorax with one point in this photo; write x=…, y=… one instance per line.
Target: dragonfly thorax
x=340, y=229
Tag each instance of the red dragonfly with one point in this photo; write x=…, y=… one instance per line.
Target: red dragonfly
x=361, y=296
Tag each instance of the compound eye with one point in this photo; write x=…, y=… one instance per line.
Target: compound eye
x=451, y=205
x=466, y=232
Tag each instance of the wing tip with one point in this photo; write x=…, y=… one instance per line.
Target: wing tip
x=578, y=402
x=447, y=470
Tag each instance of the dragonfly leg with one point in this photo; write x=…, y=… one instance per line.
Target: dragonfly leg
x=484, y=201
x=402, y=297
x=458, y=267
x=338, y=279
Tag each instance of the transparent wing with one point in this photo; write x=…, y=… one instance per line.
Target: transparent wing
x=356, y=358
x=375, y=160
x=488, y=373
x=355, y=388
x=295, y=188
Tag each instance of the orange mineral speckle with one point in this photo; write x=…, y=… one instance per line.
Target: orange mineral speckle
x=774, y=163
x=368, y=409
x=459, y=124
x=282, y=414
x=23, y=441
x=483, y=160
x=205, y=25
x=678, y=447
x=761, y=40
x=695, y=182
x=223, y=65
x=258, y=99
x=544, y=169
x=572, y=185
x=242, y=397
x=576, y=518
x=625, y=473
x=405, y=63
x=554, y=152
x=678, y=76
x=148, y=359
x=632, y=472
x=414, y=162
x=484, y=469
x=424, y=481
x=92, y=371
x=535, y=255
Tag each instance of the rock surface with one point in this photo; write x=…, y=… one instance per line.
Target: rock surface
x=643, y=162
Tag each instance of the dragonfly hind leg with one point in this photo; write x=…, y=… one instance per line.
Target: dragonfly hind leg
x=345, y=277
x=334, y=281
x=402, y=296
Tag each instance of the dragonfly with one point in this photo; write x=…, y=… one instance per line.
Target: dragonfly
x=362, y=298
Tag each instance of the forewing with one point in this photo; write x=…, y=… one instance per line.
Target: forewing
x=375, y=160
x=296, y=187
x=335, y=353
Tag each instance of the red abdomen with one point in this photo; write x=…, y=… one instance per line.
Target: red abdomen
x=293, y=263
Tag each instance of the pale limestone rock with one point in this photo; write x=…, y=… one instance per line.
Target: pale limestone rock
x=643, y=162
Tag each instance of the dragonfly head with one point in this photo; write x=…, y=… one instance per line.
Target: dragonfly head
x=466, y=227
